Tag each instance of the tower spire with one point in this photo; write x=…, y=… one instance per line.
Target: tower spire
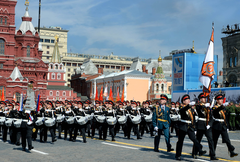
x=26, y=4
x=56, y=58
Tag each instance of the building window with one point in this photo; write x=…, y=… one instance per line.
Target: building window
x=28, y=51
x=63, y=63
x=235, y=61
x=162, y=87
x=128, y=68
x=50, y=93
x=68, y=64
x=57, y=94
x=53, y=75
x=1, y=20
x=230, y=62
x=47, y=52
x=117, y=67
x=68, y=80
x=59, y=76
x=47, y=57
x=18, y=96
x=157, y=87
x=107, y=66
x=2, y=46
x=51, y=66
x=101, y=66
x=64, y=93
x=69, y=75
x=56, y=66
x=69, y=69
x=52, y=41
x=5, y=21
x=47, y=47
x=112, y=67
x=41, y=40
x=74, y=64
x=47, y=40
x=1, y=66
x=79, y=65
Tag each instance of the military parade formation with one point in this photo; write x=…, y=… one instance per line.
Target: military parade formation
x=74, y=118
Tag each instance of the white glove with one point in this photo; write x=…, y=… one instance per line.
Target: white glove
x=29, y=123
x=207, y=104
x=195, y=132
x=150, y=106
x=43, y=119
x=156, y=128
x=208, y=126
x=27, y=111
x=225, y=104
x=227, y=130
x=192, y=103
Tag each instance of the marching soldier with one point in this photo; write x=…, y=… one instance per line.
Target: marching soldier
x=88, y=110
x=17, y=131
x=110, y=112
x=79, y=112
x=174, y=111
x=204, y=125
x=133, y=112
x=68, y=128
x=2, y=108
x=161, y=122
x=7, y=115
x=232, y=115
x=187, y=126
x=59, y=111
x=220, y=125
x=50, y=114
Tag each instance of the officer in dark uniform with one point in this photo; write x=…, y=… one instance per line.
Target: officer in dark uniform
x=220, y=125
x=161, y=122
x=187, y=126
x=204, y=125
x=28, y=119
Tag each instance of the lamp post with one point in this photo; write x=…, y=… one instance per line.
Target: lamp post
x=39, y=16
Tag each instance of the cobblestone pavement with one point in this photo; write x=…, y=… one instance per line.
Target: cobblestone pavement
x=120, y=150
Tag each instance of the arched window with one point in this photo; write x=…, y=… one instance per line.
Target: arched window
x=18, y=96
x=56, y=66
x=2, y=46
x=162, y=87
x=28, y=51
x=5, y=21
x=51, y=66
x=50, y=93
x=235, y=61
x=157, y=87
x=57, y=94
x=53, y=75
x=58, y=76
x=60, y=67
x=1, y=19
x=64, y=93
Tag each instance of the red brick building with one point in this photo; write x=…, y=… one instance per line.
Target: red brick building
x=20, y=57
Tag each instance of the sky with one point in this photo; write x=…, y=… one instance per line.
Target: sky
x=136, y=28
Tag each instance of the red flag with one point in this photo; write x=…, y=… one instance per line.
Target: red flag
x=96, y=95
x=118, y=96
x=3, y=97
x=122, y=98
x=101, y=94
x=207, y=71
x=111, y=94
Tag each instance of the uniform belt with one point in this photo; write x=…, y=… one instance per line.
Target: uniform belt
x=219, y=120
x=186, y=121
x=202, y=119
x=162, y=120
x=232, y=113
x=25, y=120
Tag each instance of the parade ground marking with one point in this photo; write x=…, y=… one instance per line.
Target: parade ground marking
x=40, y=152
x=134, y=148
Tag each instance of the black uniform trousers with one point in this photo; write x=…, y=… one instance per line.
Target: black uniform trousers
x=81, y=128
x=60, y=128
x=208, y=134
x=5, y=131
x=51, y=130
x=88, y=127
x=68, y=128
x=225, y=138
x=192, y=137
x=18, y=135
x=26, y=133
x=135, y=129
x=94, y=126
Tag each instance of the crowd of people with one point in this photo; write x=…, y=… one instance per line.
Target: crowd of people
x=159, y=118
